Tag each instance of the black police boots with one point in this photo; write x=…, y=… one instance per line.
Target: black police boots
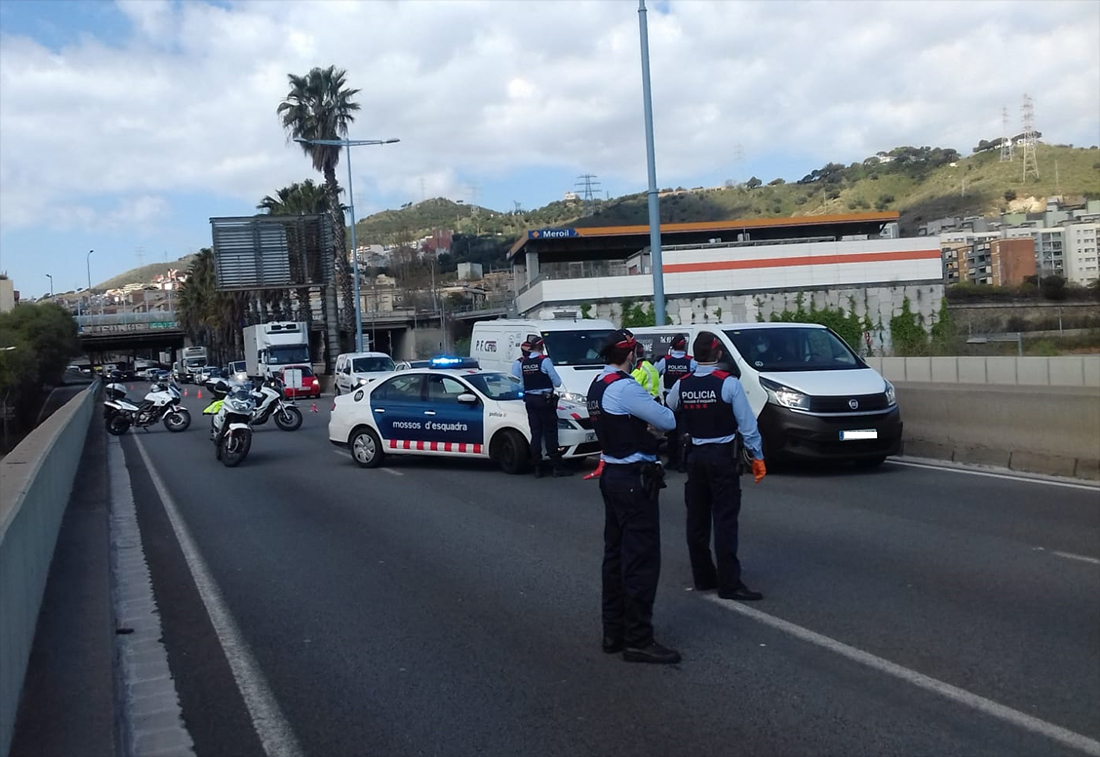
x=560, y=471
x=741, y=593
x=652, y=653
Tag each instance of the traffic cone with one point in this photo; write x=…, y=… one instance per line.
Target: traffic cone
x=199, y=395
x=131, y=387
x=185, y=391
x=314, y=408
x=596, y=473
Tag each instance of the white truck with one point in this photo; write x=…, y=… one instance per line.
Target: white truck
x=573, y=344
x=192, y=359
x=271, y=347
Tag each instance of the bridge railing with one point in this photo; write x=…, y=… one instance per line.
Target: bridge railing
x=117, y=322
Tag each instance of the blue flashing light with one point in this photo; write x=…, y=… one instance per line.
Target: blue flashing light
x=443, y=362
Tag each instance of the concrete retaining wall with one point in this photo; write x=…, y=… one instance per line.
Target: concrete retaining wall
x=36, y=479
x=1054, y=430
x=1067, y=370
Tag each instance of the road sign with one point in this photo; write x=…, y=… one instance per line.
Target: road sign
x=552, y=233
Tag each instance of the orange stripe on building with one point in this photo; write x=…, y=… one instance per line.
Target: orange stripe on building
x=802, y=260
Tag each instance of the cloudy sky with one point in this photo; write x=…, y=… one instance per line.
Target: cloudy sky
x=124, y=126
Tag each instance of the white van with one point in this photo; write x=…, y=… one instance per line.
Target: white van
x=573, y=345
x=813, y=396
x=354, y=369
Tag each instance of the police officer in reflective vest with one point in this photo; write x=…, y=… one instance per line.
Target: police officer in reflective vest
x=715, y=410
x=672, y=368
x=540, y=378
x=623, y=414
x=646, y=374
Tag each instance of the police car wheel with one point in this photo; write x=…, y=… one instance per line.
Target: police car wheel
x=366, y=448
x=510, y=451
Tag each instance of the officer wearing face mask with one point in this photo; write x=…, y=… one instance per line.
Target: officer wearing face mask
x=627, y=422
x=540, y=378
x=672, y=368
x=716, y=412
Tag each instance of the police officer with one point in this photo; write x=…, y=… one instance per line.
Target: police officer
x=540, y=379
x=672, y=368
x=715, y=410
x=623, y=414
x=646, y=374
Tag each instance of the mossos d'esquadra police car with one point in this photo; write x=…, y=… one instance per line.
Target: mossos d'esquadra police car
x=449, y=412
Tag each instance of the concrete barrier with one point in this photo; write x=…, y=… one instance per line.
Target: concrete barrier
x=1054, y=430
x=1066, y=370
x=36, y=479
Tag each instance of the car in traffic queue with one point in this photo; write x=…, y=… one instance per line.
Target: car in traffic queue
x=310, y=385
x=449, y=412
x=355, y=369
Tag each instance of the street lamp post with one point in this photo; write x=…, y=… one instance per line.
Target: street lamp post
x=348, y=144
x=654, y=207
x=88, y=261
x=50, y=277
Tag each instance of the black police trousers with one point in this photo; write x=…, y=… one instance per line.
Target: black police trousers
x=713, y=494
x=542, y=417
x=631, y=554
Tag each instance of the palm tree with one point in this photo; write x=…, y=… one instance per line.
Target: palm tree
x=320, y=106
x=300, y=198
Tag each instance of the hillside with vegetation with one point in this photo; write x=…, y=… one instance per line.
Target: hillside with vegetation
x=144, y=274
x=922, y=184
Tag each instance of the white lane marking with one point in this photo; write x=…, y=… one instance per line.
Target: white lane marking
x=271, y=726
x=1082, y=558
x=391, y=471
x=955, y=694
x=991, y=474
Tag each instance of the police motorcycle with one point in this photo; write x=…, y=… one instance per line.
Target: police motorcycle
x=162, y=403
x=231, y=419
x=270, y=403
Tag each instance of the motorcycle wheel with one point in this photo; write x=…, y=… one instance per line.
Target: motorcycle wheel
x=117, y=425
x=178, y=420
x=234, y=448
x=288, y=418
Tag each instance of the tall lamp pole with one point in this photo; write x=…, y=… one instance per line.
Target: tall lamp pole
x=88, y=261
x=654, y=208
x=50, y=277
x=348, y=144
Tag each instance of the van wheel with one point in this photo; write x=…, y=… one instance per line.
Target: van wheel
x=366, y=448
x=509, y=451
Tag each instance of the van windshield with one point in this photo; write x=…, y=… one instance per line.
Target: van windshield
x=372, y=364
x=581, y=347
x=793, y=349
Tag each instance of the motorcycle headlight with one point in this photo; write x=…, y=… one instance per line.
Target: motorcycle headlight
x=580, y=399
x=891, y=395
x=785, y=396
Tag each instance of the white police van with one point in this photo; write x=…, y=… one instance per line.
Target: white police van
x=449, y=412
x=572, y=344
x=813, y=396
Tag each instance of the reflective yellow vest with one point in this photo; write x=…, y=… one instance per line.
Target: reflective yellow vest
x=646, y=375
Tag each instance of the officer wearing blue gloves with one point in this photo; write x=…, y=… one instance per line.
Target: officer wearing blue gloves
x=540, y=379
x=673, y=368
x=625, y=416
x=715, y=412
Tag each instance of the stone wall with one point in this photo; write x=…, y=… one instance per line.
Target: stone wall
x=996, y=318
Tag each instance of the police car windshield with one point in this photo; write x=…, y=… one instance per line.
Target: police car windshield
x=793, y=349
x=496, y=386
x=372, y=364
x=581, y=347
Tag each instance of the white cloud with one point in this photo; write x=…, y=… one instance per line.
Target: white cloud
x=187, y=104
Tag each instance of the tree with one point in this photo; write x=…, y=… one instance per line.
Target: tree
x=753, y=183
x=209, y=317
x=320, y=106
x=44, y=337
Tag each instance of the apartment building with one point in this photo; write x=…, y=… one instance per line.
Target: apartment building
x=1011, y=261
x=1080, y=251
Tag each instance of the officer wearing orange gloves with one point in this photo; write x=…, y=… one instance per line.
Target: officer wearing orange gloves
x=715, y=412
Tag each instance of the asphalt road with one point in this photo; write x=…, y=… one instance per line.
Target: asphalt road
x=443, y=608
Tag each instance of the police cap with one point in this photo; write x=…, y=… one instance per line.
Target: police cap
x=622, y=339
x=679, y=342
x=535, y=343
